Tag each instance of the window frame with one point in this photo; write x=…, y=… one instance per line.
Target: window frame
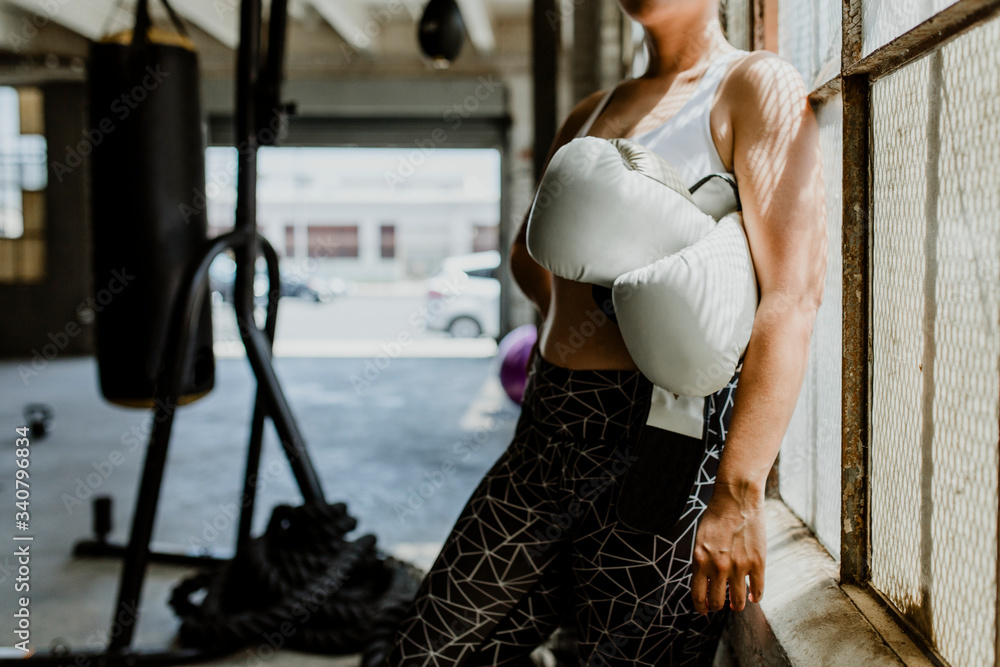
x=853, y=82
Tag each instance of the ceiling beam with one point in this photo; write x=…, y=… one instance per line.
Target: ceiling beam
x=350, y=20
x=85, y=17
x=95, y=19
x=218, y=18
x=477, y=24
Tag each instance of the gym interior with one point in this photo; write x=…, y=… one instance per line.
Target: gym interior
x=365, y=165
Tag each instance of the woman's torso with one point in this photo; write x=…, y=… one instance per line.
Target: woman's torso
x=689, y=127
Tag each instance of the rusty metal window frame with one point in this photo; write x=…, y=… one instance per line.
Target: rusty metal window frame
x=855, y=84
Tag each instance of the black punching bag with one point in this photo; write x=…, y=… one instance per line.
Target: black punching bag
x=149, y=215
x=441, y=32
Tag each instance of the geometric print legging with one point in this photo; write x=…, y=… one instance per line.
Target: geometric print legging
x=538, y=545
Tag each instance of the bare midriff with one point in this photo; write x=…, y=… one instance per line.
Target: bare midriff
x=577, y=334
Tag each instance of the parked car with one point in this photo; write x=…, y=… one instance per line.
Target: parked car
x=222, y=275
x=463, y=297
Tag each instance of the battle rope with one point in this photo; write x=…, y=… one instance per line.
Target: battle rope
x=301, y=585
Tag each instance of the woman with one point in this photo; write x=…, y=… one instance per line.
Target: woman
x=539, y=544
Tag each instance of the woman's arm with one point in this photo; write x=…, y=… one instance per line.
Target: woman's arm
x=535, y=281
x=778, y=165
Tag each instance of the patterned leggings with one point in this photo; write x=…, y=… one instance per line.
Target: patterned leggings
x=538, y=544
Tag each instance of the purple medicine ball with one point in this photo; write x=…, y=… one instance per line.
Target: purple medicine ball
x=514, y=350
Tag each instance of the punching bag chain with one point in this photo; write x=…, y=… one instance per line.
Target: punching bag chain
x=143, y=21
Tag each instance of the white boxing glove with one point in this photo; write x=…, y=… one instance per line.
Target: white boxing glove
x=614, y=213
x=606, y=207
x=686, y=318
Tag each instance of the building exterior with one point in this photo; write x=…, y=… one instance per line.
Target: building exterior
x=366, y=214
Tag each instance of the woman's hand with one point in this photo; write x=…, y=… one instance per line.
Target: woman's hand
x=730, y=545
x=778, y=165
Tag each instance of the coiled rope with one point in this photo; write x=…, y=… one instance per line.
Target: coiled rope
x=301, y=585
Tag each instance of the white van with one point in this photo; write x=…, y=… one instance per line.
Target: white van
x=463, y=297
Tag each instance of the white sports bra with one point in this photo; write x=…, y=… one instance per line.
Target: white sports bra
x=685, y=139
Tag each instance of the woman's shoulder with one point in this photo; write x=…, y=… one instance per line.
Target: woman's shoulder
x=574, y=121
x=761, y=73
x=762, y=86
x=579, y=114
x=576, y=118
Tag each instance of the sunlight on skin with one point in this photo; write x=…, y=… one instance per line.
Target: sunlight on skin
x=778, y=164
x=637, y=106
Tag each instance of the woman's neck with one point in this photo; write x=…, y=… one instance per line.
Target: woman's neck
x=681, y=40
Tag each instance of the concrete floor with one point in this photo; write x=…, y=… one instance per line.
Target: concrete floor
x=372, y=446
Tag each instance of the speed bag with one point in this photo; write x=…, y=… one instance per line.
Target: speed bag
x=149, y=213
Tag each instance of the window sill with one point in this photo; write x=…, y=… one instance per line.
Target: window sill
x=806, y=617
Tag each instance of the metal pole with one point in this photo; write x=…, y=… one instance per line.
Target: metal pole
x=855, y=240
x=248, y=131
